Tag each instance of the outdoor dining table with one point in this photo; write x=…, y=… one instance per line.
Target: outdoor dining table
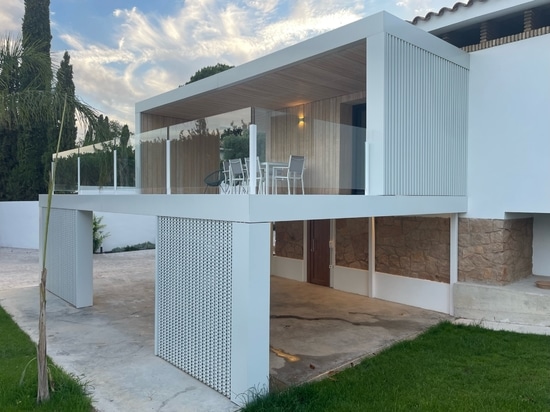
x=268, y=167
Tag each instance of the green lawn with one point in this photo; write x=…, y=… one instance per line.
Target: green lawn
x=448, y=368
x=16, y=350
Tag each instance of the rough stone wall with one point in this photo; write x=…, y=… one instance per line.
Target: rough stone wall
x=407, y=246
x=352, y=243
x=416, y=247
x=289, y=239
x=495, y=251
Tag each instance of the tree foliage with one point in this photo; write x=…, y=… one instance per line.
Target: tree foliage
x=30, y=118
x=209, y=71
x=64, y=86
x=235, y=142
x=31, y=103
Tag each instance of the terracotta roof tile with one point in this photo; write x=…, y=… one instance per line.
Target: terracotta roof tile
x=444, y=10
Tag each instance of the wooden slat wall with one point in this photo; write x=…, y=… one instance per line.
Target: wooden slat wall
x=319, y=139
x=153, y=154
x=191, y=160
x=153, y=177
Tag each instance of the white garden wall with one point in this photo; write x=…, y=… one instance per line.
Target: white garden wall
x=19, y=227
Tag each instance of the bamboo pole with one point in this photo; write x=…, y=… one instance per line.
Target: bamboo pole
x=43, y=393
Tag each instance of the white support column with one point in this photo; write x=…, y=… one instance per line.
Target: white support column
x=453, y=259
x=372, y=258
x=69, y=255
x=250, y=310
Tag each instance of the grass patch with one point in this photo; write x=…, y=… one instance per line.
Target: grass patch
x=130, y=248
x=16, y=352
x=448, y=368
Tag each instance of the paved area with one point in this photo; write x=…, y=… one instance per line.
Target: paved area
x=109, y=345
x=314, y=331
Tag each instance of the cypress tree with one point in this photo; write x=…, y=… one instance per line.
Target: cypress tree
x=10, y=52
x=65, y=86
x=28, y=178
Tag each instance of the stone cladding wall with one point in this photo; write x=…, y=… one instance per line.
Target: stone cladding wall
x=495, y=251
x=416, y=247
x=352, y=243
x=492, y=251
x=407, y=246
x=289, y=240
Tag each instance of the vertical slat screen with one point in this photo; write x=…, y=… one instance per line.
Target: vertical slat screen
x=426, y=123
x=61, y=257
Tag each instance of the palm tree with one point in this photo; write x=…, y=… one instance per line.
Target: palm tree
x=22, y=106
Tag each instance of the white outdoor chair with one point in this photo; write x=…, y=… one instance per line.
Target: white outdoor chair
x=260, y=174
x=293, y=172
x=237, y=177
x=225, y=186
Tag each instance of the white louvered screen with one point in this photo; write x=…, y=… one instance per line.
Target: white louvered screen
x=61, y=254
x=194, y=298
x=426, y=122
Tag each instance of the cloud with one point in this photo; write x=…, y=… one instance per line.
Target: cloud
x=11, y=16
x=422, y=7
x=154, y=54
x=147, y=50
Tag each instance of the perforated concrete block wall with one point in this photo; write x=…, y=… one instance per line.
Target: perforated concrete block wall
x=194, y=292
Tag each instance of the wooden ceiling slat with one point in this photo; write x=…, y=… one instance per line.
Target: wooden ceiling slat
x=331, y=74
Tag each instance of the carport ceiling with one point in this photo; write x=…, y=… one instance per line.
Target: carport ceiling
x=338, y=72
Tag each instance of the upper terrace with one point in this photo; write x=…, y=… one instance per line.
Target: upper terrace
x=377, y=107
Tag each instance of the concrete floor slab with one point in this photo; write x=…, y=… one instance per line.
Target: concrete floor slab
x=314, y=331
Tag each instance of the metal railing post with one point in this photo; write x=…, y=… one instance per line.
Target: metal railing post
x=78, y=174
x=168, y=185
x=252, y=164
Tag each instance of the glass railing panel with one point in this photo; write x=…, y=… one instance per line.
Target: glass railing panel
x=66, y=173
x=150, y=160
x=198, y=148
x=126, y=167
x=97, y=167
x=334, y=153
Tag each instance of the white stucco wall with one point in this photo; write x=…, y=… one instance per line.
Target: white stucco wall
x=509, y=129
x=19, y=227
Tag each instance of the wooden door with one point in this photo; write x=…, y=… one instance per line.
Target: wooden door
x=318, y=256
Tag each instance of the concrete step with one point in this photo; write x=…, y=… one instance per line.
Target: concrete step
x=519, y=304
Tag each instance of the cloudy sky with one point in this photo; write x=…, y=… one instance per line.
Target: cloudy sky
x=124, y=51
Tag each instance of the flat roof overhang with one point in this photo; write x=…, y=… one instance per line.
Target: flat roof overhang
x=328, y=65
x=262, y=208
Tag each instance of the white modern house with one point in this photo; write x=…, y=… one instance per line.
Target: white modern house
x=424, y=146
